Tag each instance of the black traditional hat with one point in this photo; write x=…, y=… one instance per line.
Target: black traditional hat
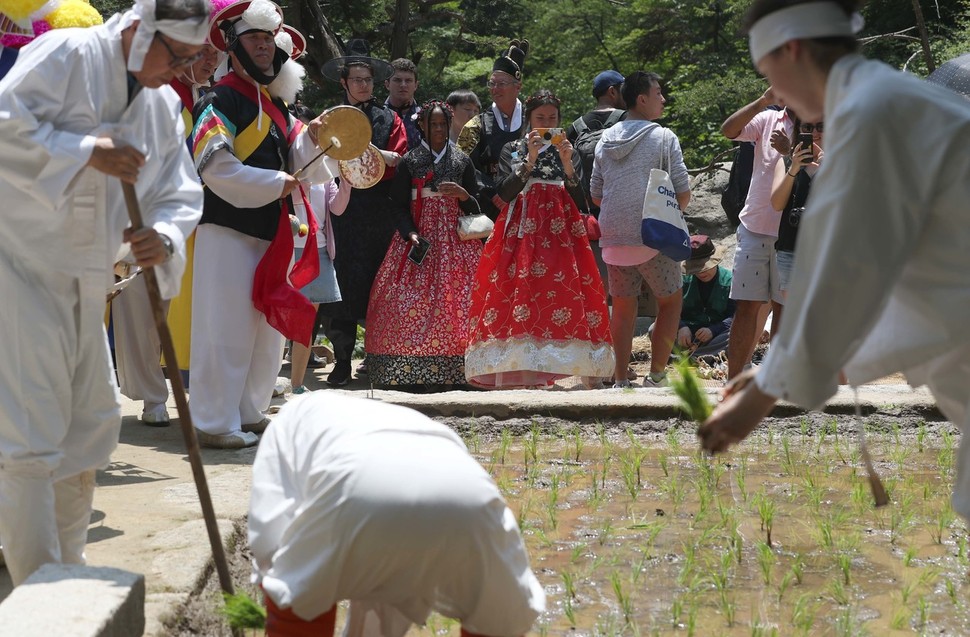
x=357, y=50
x=513, y=60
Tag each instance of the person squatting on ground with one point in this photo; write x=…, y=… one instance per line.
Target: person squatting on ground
x=624, y=157
x=63, y=155
x=246, y=144
x=538, y=308
x=880, y=278
x=755, y=278
x=377, y=504
x=483, y=136
x=708, y=310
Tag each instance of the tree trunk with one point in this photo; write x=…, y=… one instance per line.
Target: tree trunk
x=399, y=33
x=924, y=37
x=322, y=43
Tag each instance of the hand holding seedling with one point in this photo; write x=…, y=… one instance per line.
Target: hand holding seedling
x=742, y=407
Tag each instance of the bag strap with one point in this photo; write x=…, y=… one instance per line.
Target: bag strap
x=580, y=126
x=664, y=151
x=613, y=118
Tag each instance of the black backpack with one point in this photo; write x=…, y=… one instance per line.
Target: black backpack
x=585, y=145
x=733, y=197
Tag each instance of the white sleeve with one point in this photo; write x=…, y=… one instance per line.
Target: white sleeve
x=241, y=185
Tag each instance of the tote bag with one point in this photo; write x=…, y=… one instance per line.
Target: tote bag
x=663, y=227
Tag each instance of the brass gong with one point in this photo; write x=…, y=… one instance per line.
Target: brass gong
x=346, y=131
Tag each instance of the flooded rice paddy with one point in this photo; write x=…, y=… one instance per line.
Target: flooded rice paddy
x=639, y=534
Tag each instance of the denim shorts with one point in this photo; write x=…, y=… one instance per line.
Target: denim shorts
x=785, y=260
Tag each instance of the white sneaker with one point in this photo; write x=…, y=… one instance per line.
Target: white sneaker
x=283, y=385
x=156, y=416
x=233, y=440
x=623, y=384
x=650, y=382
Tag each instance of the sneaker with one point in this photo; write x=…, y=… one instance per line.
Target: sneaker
x=302, y=389
x=282, y=384
x=156, y=416
x=650, y=381
x=256, y=427
x=623, y=384
x=234, y=440
x=340, y=375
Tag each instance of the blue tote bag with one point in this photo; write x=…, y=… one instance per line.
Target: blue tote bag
x=663, y=227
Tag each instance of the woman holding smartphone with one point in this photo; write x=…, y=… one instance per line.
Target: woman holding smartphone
x=538, y=309
x=417, y=319
x=789, y=192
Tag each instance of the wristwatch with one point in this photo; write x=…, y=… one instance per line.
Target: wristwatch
x=169, y=246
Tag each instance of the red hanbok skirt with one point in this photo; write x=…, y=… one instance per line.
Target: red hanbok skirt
x=538, y=309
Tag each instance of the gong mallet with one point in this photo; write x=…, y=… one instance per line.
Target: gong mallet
x=178, y=391
x=334, y=143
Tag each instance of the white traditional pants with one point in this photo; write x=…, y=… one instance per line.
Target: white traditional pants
x=137, y=346
x=236, y=354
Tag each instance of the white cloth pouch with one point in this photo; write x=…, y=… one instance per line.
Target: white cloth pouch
x=663, y=227
x=474, y=227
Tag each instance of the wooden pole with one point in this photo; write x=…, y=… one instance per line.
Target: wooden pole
x=181, y=404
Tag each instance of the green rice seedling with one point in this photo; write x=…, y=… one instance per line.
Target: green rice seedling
x=786, y=582
x=909, y=555
x=601, y=434
x=594, y=497
x=900, y=520
x=675, y=489
x=737, y=544
x=766, y=561
x=945, y=456
x=623, y=599
x=578, y=444
x=606, y=531
x=927, y=577
x=607, y=459
x=944, y=519
x=803, y=614
x=729, y=609
x=787, y=461
x=692, y=619
x=813, y=493
x=804, y=426
x=771, y=437
x=505, y=443
x=676, y=610
x=663, y=465
x=906, y=591
x=962, y=554
x=531, y=446
x=693, y=400
x=923, y=608
x=921, y=433
x=569, y=583
x=652, y=530
x=740, y=477
x=687, y=568
x=845, y=565
x=798, y=568
x=578, y=552
x=766, y=511
x=860, y=496
x=569, y=612
x=901, y=618
x=837, y=590
x=951, y=591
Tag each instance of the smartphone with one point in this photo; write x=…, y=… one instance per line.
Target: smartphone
x=551, y=135
x=417, y=253
x=805, y=139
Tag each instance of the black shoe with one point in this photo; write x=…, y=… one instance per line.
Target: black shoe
x=340, y=375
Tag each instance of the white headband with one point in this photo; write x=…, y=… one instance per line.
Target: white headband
x=799, y=22
x=188, y=31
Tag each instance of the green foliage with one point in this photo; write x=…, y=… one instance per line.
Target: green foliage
x=693, y=401
x=242, y=612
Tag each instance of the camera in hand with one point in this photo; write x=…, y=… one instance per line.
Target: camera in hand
x=417, y=253
x=551, y=135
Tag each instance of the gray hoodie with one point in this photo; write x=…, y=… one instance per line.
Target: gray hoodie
x=624, y=157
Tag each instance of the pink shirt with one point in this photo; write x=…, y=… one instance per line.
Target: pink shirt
x=757, y=215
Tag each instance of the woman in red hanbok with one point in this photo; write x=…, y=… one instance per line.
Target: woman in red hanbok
x=417, y=320
x=538, y=310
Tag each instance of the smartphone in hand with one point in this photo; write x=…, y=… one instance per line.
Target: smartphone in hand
x=805, y=139
x=417, y=253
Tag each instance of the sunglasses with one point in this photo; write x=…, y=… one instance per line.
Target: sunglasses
x=177, y=61
x=808, y=128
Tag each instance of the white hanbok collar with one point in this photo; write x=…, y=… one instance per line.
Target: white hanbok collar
x=437, y=156
x=516, y=117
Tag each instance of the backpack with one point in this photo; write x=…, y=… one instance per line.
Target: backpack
x=736, y=192
x=585, y=145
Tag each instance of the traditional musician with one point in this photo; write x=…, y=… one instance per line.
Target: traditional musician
x=63, y=154
x=246, y=146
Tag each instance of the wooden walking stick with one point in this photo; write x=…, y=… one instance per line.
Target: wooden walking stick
x=178, y=390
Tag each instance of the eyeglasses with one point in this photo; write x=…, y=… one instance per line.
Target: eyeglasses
x=494, y=84
x=177, y=61
x=361, y=80
x=808, y=128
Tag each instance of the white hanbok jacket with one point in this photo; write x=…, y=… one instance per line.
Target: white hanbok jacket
x=62, y=223
x=882, y=271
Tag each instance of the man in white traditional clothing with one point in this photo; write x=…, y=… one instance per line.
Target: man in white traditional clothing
x=81, y=111
x=880, y=278
x=246, y=146
x=377, y=504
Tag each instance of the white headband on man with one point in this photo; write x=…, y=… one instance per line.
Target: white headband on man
x=800, y=22
x=188, y=31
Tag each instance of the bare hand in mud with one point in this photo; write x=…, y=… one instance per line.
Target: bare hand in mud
x=742, y=408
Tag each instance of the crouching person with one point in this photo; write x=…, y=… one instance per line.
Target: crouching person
x=377, y=504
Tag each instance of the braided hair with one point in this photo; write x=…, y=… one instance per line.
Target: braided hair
x=423, y=116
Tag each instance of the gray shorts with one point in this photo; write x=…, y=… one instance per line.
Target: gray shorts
x=755, y=275
x=662, y=274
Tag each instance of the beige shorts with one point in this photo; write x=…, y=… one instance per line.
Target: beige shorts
x=661, y=273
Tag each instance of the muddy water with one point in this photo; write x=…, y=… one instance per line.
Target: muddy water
x=635, y=534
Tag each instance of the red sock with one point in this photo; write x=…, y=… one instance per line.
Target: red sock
x=282, y=622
